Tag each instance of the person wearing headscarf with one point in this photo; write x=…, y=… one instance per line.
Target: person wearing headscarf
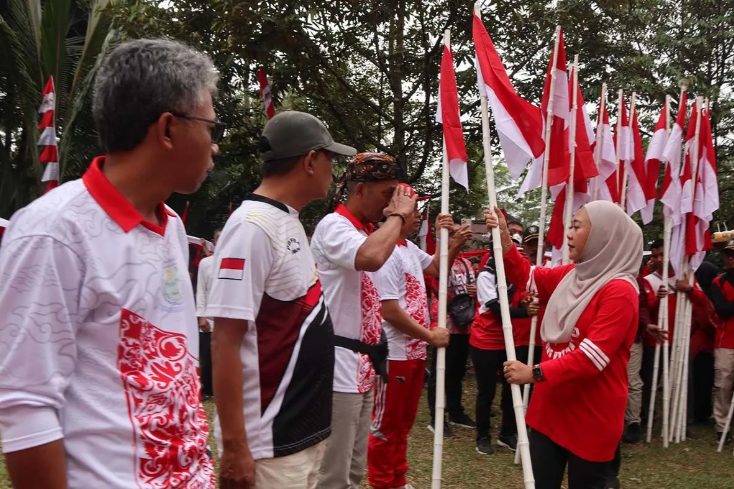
x=577, y=410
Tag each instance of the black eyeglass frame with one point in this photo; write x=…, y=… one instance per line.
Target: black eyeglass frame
x=217, y=130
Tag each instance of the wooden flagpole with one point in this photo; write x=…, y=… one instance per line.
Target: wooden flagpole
x=443, y=269
x=627, y=169
x=598, y=150
x=543, y=211
x=523, y=447
x=617, y=145
x=568, y=210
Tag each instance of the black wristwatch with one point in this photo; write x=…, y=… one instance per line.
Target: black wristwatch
x=538, y=373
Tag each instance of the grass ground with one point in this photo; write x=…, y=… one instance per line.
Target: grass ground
x=691, y=464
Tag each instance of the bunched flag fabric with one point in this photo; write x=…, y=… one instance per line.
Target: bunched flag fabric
x=49, y=156
x=606, y=156
x=448, y=116
x=653, y=157
x=518, y=122
x=636, y=178
x=671, y=188
x=265, y=92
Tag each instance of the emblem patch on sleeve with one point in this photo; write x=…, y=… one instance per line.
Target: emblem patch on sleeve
x=232, y=268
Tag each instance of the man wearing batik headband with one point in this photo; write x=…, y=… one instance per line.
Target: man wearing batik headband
x=346, y=249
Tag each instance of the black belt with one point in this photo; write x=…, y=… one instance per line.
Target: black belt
x=376, y=353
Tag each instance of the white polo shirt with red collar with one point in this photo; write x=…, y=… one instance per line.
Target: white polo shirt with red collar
x=99, y=342
x=401, y=279
x=350, y=296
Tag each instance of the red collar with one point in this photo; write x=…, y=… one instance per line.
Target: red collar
x=116, y=205
x=367, y=227
x=402, y=242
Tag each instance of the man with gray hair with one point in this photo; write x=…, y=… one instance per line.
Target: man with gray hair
x=98, y=336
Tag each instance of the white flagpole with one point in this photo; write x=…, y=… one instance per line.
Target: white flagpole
x=598, y=153
x=617, y=145
x=627, y=167
x=543, y=209
x=691, y=281
x=568, y=210
x=523, y=448
x=443, y=269
x=663, y=324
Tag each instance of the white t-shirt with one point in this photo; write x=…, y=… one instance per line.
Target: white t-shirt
x=99, y=341
x=350, y=295
x=401, y=279
x=203, y=285
x=265, y=274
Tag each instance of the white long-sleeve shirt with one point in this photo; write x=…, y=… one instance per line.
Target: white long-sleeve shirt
x=203, y=286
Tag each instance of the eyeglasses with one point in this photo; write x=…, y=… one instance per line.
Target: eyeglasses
x=217, y=129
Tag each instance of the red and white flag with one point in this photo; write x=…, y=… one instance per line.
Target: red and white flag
x=625, y=151
x=705, y=198
x=636, y=178
x=519, y=123
x=653, y=157
x=49, y=156
x=447, y=115
x=556, y=77
x=265, y=92
x=671, y=188
x=682, y=232
x=231, y=269
x=606, y=156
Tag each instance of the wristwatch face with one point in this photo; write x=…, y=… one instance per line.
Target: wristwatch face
x=537, y=374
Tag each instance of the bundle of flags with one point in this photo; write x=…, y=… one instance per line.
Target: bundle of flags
x=598, y=162
x=47, y=141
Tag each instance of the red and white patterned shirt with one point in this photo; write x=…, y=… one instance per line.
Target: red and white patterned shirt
x=99, y=340
x=401, y=279
x=350, y=296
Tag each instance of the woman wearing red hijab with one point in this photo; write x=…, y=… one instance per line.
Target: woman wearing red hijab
x=577, y=409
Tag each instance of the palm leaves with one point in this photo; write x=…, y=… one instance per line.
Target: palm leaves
x=38, y=39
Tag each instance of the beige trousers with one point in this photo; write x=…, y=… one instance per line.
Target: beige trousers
x=296, y=471
x=723, y=385
x=346, y=448
x=634, y=393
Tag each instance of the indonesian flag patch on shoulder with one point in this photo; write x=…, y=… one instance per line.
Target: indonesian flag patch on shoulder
x=232, y=268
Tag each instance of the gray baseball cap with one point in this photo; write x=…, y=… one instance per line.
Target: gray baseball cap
x=292, y=133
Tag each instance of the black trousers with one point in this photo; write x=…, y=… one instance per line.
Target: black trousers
x=488, y=367
x=205, y=363
x=456, y=355
x=701, y=388
x=550, y=460
x=646, y=370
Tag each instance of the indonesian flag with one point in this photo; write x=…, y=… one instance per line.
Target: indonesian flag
x=671, y=189
x=682, y=231
x=584, y=168
x=625, y=153
x=519, y=123
x=560, y=118
x=653, y=157
x=606, y=157
x=636, y=180
x=448, y=116
x=265, y=92
x=231, y=269
x=47, y=141
x=425, y=234
x=706, y=196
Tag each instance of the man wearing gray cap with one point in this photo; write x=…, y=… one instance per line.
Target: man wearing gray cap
x=273, y=345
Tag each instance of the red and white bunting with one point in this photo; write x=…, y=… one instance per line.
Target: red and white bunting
x=447, y=114
x=265, y=92
x=519, y=123
x=47, y=141
x=560, y=118
x=636, y=179
x=670, y=193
